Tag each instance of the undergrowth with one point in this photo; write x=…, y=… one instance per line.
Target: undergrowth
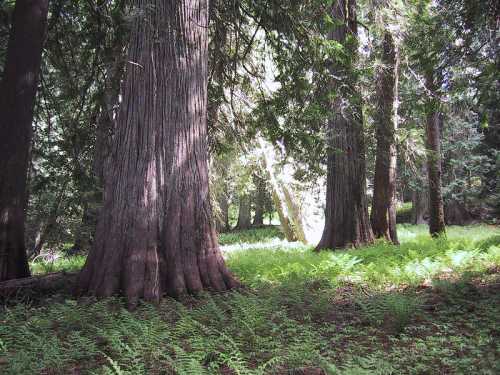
x=428, y=306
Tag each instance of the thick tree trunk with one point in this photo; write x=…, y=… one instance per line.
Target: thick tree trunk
x=17, y=99
x=155, y=234
x=244, y=214
x=346, y=214
x=383, y=215
x=260, y=200
x=434, y=168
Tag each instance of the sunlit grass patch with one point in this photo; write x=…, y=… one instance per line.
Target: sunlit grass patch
x=417, y=259
x=57, y=263
x=427, y=306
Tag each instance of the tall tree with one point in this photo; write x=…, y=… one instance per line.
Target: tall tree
x=383, y=215
x=433, y=145
x=346, y=213
x=17, y=98
x=155, y=233
x=244, y=214
x=260, y=200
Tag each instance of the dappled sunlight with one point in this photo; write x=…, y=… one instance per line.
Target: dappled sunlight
x=381, y=265
x=428, y=304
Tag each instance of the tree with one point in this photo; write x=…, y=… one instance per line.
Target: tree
x=346, y=213
x=260, y=200
x=383, y=215
x=244, y=214
x=434, y=167
x=155, y=233
x=17, y=98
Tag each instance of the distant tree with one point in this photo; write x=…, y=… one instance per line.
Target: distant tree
x=260, y=200
x=346, y=213
x=434, y=166
x=17, y=98
x=244, y=214
x=155, y=233
x=383, y=214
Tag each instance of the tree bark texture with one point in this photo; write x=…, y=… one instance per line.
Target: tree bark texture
x=383, y=215
x=346, y=213
x=434, y=167
x=155, y=233
x=40, y=285
x=17, y=98
x=244, y=214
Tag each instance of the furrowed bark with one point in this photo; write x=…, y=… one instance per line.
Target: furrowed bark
x=346, y=214
x=155, y=233
x=17, y=98
x=383, y=215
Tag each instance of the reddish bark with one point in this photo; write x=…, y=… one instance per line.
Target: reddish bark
x=17, y=98
x=383, y=215
x=155, y=233
x=346, y=213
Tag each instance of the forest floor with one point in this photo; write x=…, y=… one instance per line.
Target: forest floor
x=425, y=307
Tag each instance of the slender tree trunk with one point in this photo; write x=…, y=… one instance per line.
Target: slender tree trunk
x=420, y=207
x=155, y=234
x=223, y=221
x=491, y=140
x=383, y=215
x=244, y=214
x=258, y=219
x=285, y=223
x=346, y=214
x=434, y=168
x=284, y=201
x=17, y=99
x=49, y=223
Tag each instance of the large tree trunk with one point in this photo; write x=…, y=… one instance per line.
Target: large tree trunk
x=17, y=98
x=260, y=200
x=155, y=234
x=346, y=213
x=434, y=168
x=244, y=214
x=383, y=215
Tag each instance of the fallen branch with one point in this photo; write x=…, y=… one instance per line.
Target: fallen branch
x=36, y=285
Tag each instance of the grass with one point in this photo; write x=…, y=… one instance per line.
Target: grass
x=426, y=307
